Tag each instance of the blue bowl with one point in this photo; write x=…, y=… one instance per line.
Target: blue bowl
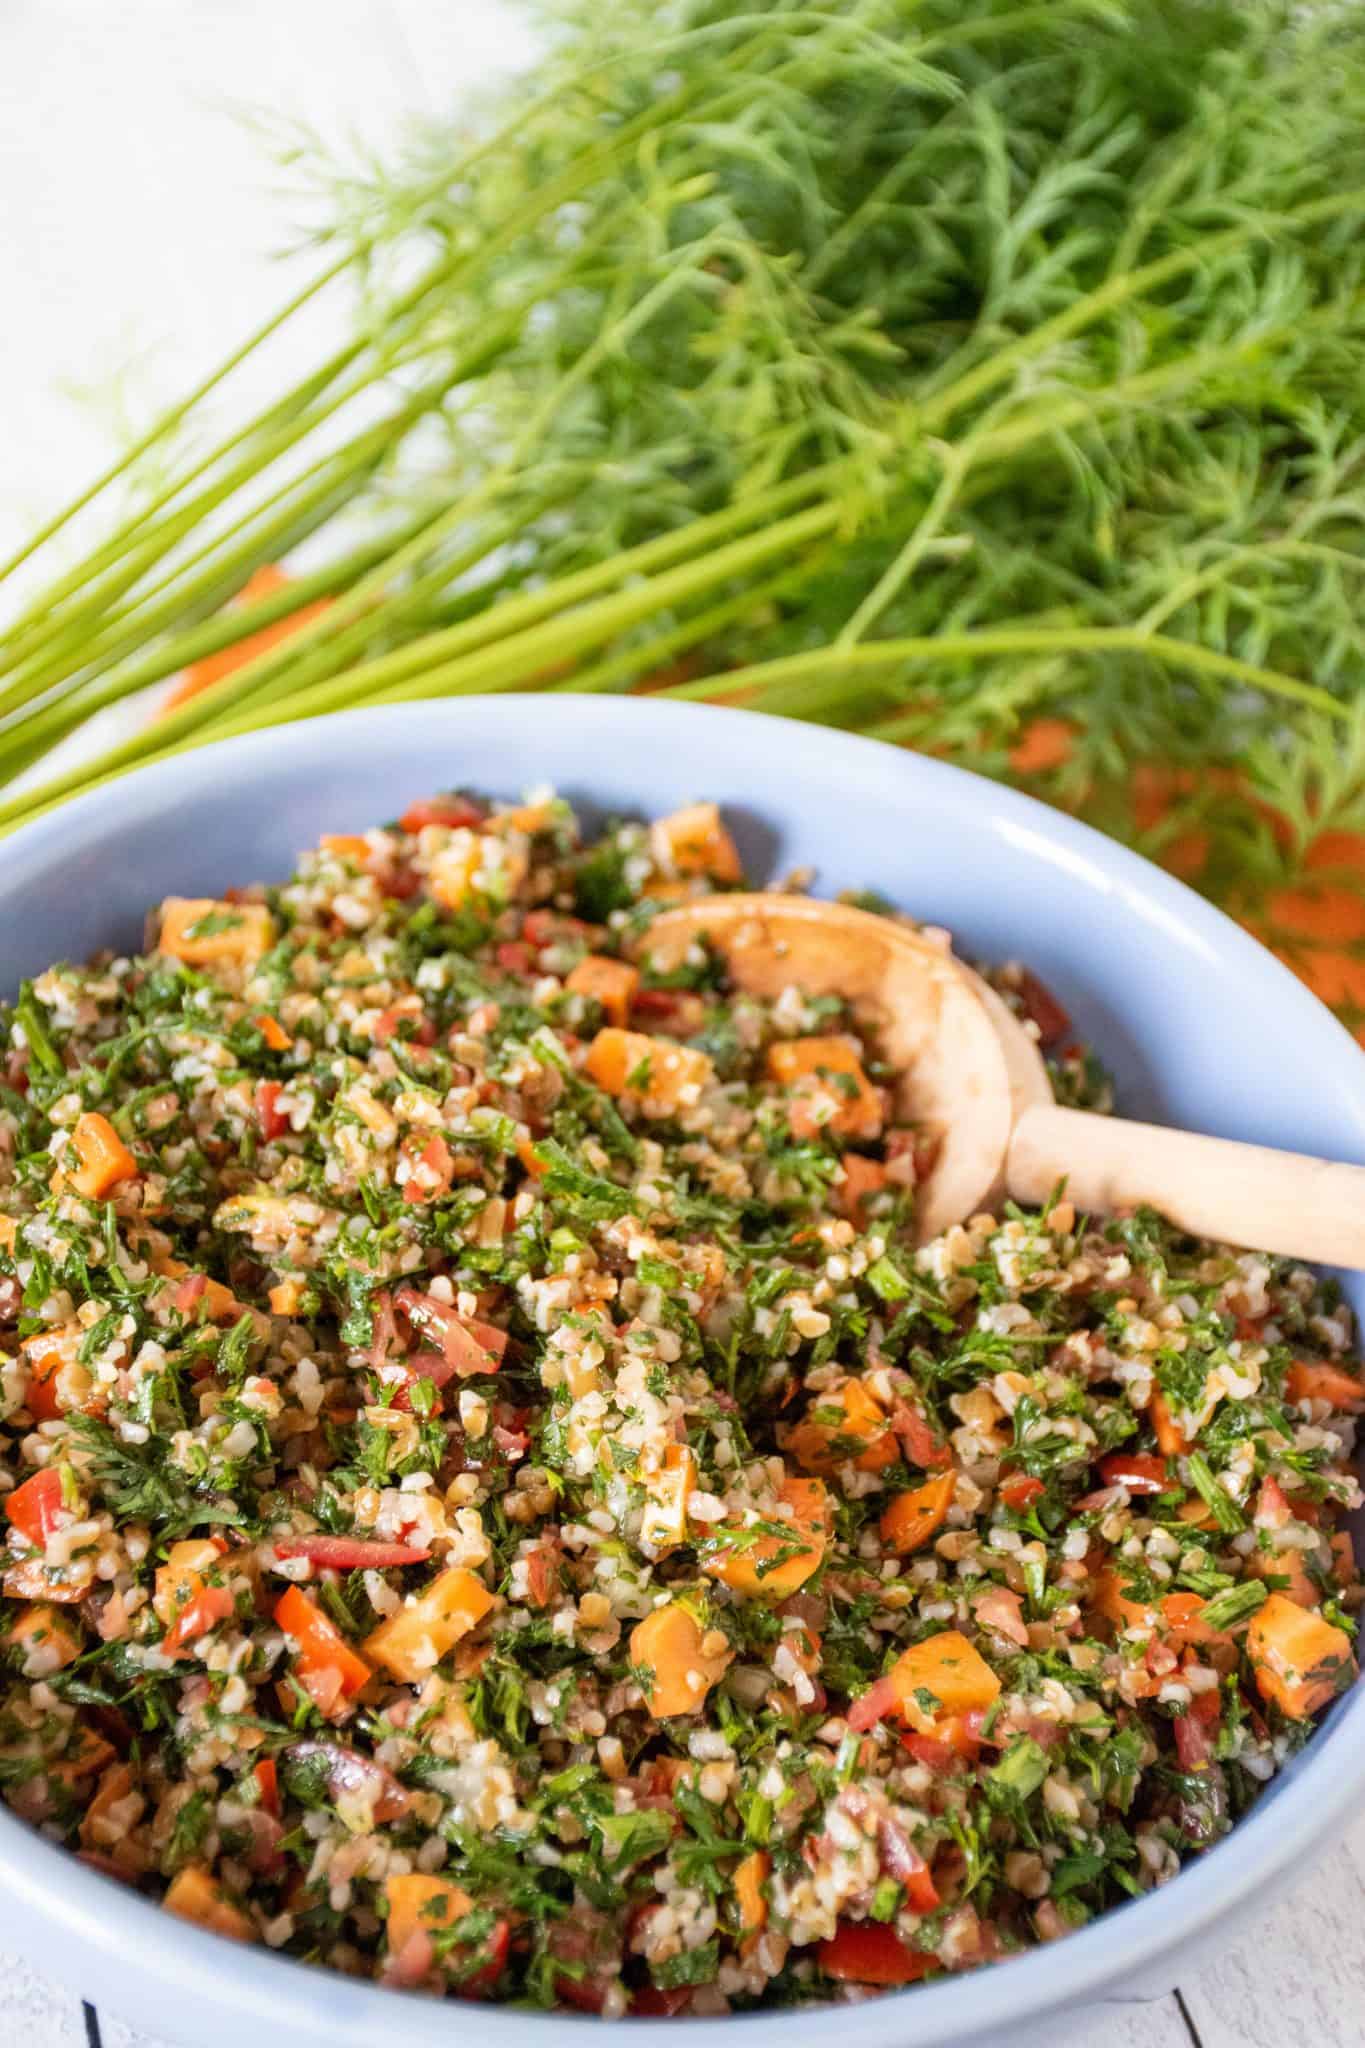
x=1201, y=1026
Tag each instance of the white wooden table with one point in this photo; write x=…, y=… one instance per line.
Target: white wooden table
x=138, y=217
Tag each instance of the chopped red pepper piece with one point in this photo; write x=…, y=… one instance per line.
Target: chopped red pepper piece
x=35, y=1507
x=868, y=1952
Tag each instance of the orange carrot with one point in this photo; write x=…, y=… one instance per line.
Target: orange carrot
x=751, y=1874
x=262, y=583
x=346, y=846
x=862, y=1178
x=272, y=1031
x=1307, y=1380
x=1171, y=1439
x=754, y=1572
x=199, y=931
x=667, y=1645
x=1300, y=1661
x=612, y=983
x=413, y=1641
x=695, y=842
x=911, y=1518
x=829, y=1090
x=195, y=1894
x=105, y=1159
x=286, y=1297
x=859, y=1433
x=664, y=1076
x=50, y=1638
x=664, y=1524
x=420, y=1905
x=948, y=1668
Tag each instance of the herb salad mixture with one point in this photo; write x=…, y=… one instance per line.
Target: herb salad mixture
x=496, y=1501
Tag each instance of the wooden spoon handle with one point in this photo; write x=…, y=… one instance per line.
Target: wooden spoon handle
x=1245, y=1195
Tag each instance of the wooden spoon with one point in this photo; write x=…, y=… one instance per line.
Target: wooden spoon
x=972, y=1077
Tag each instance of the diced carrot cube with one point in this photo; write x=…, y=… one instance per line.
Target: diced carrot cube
x=422, y=1905
x=912, y=1517
x=862, y=1178
x=693, y=841
x=1308, y=1380
x=47, y=1640
x=57, y=1381
x=195, y=1894
x=1183, y=1614
x=100, y=1827
x=88, y=1753
x=526, y=1153
x=948, y=1668
x=412, y=1642
x=182, y=1575
x=663, y=1076
x=1108, y=1599
x=9, y=1231
x=1300, y=1661
x=327, y=1666
x=667, y=1645
x=859, y=1434
x=286, y=1296
x=829, y=1090
x=346, y=846
x=776, y=1566
x=105, y=1159
x=199, y=931
x=612, y=983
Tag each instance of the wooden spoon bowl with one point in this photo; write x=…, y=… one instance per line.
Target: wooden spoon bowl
x=954, y=1079
x=971, y=1077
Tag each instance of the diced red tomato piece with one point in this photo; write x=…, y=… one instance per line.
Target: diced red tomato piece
x=390, y=1022
x=921, y=1445
x=268, y=1778
x=514, y=956
x=203, y=1611
x=1019, y=1491
x=546, y=927
x=470, y=1346
x=870, y=1952
x=652, y=2003
x=587, y=1993
x=498, y=1942
x=1207, y=1707
x=35, y=1508
x=902, y=1860
x=451, y=811
x=542, y=1575
x=873, y=1706
x=1138, y=1471
x=436, y=1159
x=272, y=1121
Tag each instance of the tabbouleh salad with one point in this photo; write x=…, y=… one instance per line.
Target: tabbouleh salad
x=496, y=1502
